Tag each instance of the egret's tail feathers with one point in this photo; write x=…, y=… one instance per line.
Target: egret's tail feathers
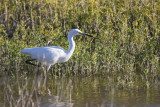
x=25, y=51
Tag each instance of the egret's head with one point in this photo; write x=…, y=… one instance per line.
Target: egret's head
x=74, y=32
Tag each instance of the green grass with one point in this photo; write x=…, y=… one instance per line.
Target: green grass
x=128, y=32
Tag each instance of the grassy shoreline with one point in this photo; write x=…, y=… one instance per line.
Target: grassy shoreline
x=128, y=32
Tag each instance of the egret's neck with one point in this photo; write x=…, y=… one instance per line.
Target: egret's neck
x=71, y=47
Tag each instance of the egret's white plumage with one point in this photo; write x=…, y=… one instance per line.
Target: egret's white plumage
x=51, y=55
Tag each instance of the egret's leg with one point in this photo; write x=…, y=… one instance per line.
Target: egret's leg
x=46, y=90
x=45, y=80
x=46, y=70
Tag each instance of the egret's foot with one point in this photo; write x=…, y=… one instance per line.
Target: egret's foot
x=45, y=72
x=48, y=92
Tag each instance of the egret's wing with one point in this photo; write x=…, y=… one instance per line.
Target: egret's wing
x=45, y=54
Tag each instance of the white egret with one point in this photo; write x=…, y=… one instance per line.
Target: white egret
x=51, y=55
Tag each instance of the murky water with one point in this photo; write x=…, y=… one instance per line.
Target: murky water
x=93, y=91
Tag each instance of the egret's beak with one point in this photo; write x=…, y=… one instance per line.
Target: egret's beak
x=85, y=34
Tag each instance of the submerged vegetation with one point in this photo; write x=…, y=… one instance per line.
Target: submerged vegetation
x=128, y=32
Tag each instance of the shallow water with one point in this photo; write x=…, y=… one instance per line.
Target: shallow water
x=93, y=91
